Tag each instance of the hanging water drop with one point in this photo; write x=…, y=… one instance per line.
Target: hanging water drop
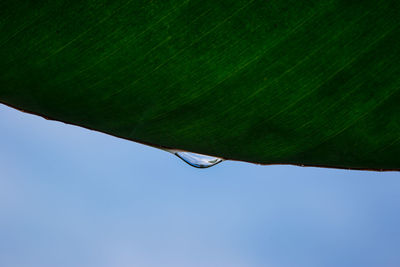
x=196, y=160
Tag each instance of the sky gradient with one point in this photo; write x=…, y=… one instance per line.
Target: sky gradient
x=75, y=197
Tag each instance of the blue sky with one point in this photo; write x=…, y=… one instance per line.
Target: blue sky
x=74, y=197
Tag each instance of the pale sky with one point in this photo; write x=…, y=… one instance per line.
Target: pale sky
x=74, y=197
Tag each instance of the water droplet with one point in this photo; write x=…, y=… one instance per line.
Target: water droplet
x=196, y=160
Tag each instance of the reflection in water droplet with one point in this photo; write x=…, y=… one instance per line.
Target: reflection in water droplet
x=196, y=160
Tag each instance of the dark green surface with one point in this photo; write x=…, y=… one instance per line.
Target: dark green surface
x=299, y=82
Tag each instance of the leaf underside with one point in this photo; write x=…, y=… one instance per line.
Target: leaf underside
x=310, y=82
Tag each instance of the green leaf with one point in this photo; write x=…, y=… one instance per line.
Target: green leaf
x=273, y=82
